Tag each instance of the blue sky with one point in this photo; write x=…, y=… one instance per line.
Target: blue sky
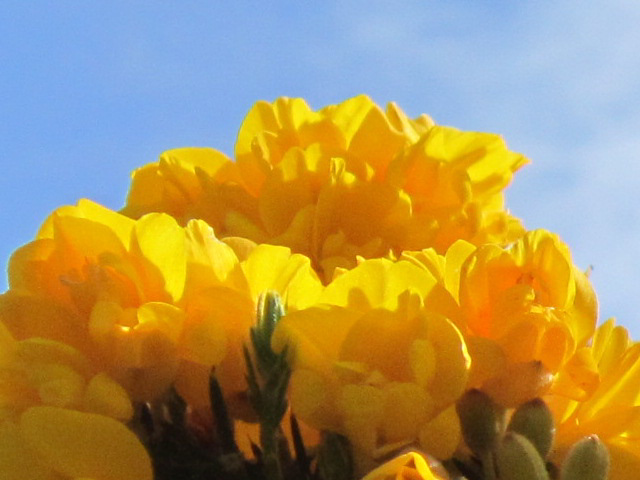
x=91, y=90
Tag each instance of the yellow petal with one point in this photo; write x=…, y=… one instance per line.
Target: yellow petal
x=119, y=224
x=27, y=316
x=313, y=336
x=85, y=445
x=382, y=340
x=17, y=461
x=409, y=466
x=106, y=397
x=377, y=283
x=363, y=409
x=311, y=396
x=45, y=351
x=275, y=268
x=441, y=436
x=161, y=241
x=208, y=257
x=406, y=407
x=452, y=360
x=204, y=342
x=58, y=385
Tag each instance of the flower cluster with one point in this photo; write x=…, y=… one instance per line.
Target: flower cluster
x=408, y=326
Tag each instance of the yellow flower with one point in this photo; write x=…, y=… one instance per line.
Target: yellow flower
x=233, y=309
x=531, y=302
x=610, y=368
x=408, y=466
x=61, y=418
x=374, y=363
x=346, y=181
x=524, y=310
x=150, y=302
x=189, y=183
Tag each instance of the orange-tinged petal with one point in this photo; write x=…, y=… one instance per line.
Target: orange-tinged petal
x=84, y=445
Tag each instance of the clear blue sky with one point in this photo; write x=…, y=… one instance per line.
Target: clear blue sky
x=90, y=90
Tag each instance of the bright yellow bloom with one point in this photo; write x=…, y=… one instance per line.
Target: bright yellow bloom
x=524, y=310
x=530, y=301
x=377, y=361
x=609, y=372
x=349, y=180
x=149, y=301
x=231, y=308
x=61, y=418
x=408, y=466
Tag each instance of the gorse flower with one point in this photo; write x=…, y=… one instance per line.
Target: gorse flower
x=609, y=369
x=150, y=302
x=376, y=361
x=404, y=310
x=349, y=180
x=62, y=418
x=525, y=310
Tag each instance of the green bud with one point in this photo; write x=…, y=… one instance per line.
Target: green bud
x=518, y=459
x=269, y=312
x=588, y=459
x=534, y=420
x=481, y=420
